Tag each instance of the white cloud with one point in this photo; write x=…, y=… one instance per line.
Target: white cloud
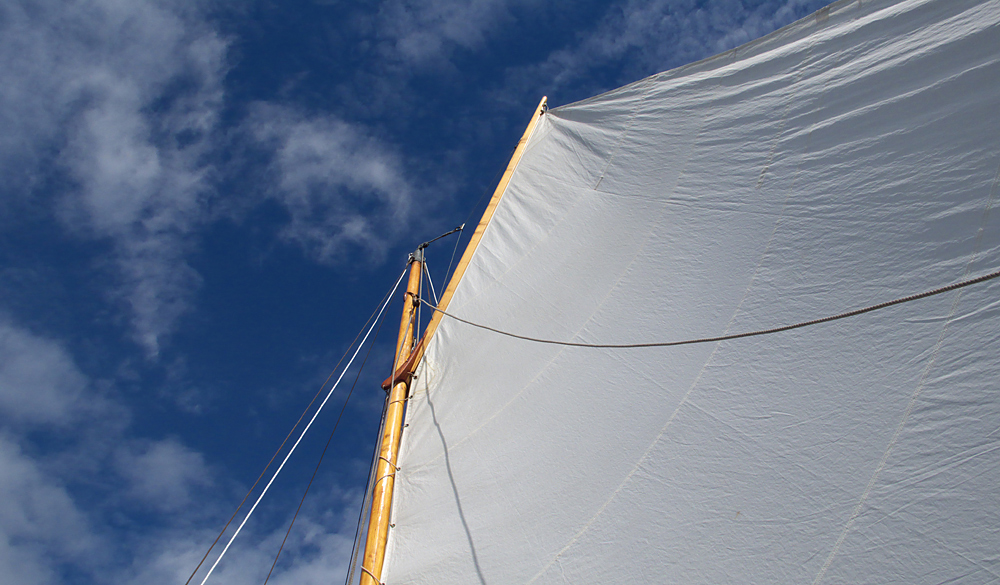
x=43, y=528
x=40, y=525
x=314, y=555
x=341, y=186
x=162, y=474
x=127, y=94
x=124, y=99
x=318, y=550
x=418, y=32
x=644, y=37
x=39, y=383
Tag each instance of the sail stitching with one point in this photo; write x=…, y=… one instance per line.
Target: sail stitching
x=697, y=379
x=694, y=384
x=628, y=126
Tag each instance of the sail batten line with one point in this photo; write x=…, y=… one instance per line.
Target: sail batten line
x=304, y=430
x=852, y=313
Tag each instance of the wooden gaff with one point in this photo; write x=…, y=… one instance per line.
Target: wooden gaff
x=385, y=474
x=481, y=228
x=385, y=470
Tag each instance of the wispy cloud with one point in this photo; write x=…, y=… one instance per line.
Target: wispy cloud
x=40, y=525
x=112, y=120
x=39, y=383
x=47, y=526
x=637, y=38
x=316, y=552
x=343, y=189
x=162, y=474
x=420, y=33
x=120, y=97
x=63, y=507
x=122, y=101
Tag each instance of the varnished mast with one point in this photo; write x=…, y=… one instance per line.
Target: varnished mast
x=385, y=470
x=385, y=473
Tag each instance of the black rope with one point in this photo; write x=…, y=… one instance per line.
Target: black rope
x=366, y=500
x=923, y=295
x=280, y=447
x=323, y=454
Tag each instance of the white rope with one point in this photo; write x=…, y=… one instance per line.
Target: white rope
x=431, y=282
x=292, y=450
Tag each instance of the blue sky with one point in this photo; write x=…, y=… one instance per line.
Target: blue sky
x=203, y=201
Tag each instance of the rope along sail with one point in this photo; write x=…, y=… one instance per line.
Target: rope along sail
x=853, y=313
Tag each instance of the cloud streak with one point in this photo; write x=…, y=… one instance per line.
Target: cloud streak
x=162, y=474
x=342, y=188
x=422, y=33
x=39, y=383
x=123, y=100
x=40, y=525
x=71, y=509
x=638, y=38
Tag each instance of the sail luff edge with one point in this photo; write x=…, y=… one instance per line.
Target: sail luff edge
x=470, y=249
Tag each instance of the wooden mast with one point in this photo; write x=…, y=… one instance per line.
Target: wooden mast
x=385, y=473
x=385, y=470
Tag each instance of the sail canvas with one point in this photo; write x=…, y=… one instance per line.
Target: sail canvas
x=847, y=159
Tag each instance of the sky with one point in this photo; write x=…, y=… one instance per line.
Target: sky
x=203, y=201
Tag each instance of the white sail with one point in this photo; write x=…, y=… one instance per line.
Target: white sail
x=845, y=160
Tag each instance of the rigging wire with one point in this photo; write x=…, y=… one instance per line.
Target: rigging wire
x=297, y=441
x=325, y=448
x=868, y=309
x=461, y=228
x=283, y=442
x=385, y=410
x=458, y=241
x=424, y=261
x=420, y=296
x=366, y=501
x=430, y=282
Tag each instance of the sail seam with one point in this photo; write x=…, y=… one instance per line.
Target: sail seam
x=625, y=131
